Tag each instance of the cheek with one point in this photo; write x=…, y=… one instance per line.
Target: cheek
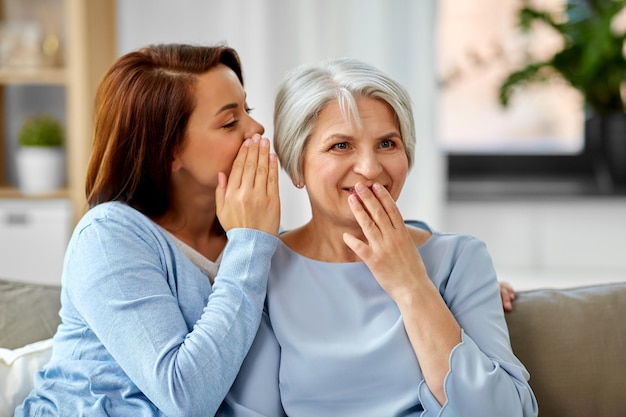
x=402, y=168
x=401, y=163
x=225, y=157
x=398, y=170
x=326, y=173
x=231, y=152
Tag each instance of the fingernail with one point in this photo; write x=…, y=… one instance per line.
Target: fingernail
x=377, y=186
x=359, y=187
x=256, y=138
x=265, y=142
x=246, y=142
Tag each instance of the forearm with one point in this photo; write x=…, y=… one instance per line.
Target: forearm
x=485, y=378
x=433, y=332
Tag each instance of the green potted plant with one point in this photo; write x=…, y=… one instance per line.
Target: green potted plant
x=592, y=61
x=41, y=155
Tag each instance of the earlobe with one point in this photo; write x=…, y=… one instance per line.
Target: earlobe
x=297, y=183
x=175, y=166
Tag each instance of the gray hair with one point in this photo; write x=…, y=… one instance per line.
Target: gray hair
x=306, y=90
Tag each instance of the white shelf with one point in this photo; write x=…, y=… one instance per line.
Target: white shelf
x=45, y=76
x=33, y=238
x=89, y=47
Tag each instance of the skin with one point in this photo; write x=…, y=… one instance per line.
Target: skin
x=353, y=177
x=337, y=156
x=224, y=170
x=508, y=295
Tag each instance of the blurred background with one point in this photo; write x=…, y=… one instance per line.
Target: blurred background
x=520, y=177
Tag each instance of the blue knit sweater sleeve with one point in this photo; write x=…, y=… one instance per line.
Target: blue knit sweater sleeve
x=134, y=302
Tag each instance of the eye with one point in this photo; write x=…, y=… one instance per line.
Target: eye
x=231, y=125
x=387, y=143
x=341, y=146
x=249, y=109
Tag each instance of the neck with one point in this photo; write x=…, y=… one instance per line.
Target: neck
x=193, y=220
x=322, y=242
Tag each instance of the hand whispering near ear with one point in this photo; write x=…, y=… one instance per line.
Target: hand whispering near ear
x=249, y=197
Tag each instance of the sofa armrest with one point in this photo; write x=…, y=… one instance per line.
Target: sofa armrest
x=573, y=343
x=28, y=312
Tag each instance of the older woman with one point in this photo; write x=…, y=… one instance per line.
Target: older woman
x=368, y=314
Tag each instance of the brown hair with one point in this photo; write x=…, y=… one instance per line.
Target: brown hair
x=143, y=104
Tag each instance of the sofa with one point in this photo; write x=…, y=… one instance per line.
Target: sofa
x=572, y=341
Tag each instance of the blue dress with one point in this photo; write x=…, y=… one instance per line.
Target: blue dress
x=333, y=343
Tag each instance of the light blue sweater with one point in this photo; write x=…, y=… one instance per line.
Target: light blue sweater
x=333, y=343
x=143, y=333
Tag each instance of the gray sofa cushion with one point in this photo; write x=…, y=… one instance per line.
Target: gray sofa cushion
x=573, y=343
x=28, y=313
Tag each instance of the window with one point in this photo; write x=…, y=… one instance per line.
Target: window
x=538, y=139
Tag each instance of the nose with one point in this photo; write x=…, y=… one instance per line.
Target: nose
x=253, y=127
x=368, y=165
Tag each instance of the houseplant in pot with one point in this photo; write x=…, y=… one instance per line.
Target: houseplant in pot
x=592, y=60
x=40, y=156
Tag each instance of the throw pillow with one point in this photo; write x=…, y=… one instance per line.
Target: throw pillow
x=17, y=371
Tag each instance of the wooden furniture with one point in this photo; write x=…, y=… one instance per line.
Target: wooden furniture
x=88, y=47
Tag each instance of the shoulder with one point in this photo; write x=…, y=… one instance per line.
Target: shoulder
x=116, y=221
x=445, y=252
x=115, y=212
x=458, y=264
x=421, y=230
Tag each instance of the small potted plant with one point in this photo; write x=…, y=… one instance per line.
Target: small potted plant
x=592, y=60
x=41, y=155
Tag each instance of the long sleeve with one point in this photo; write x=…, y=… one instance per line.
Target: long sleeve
x=334, y=343
x=131, y=300
x=255, y=392
x=485, y=378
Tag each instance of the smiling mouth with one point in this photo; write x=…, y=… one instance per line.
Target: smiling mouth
x=353, y=191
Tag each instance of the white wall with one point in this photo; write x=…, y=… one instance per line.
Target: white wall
x=555, y=243
x=533, y=243
x=273, y=36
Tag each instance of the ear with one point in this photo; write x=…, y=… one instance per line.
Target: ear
x=176, y=164
x=297, y=184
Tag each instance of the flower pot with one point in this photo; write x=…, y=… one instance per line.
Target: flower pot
x=606, y=138
x=40, y=170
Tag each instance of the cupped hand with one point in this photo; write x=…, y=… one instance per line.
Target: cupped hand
x=249, y=197
x=388, y=249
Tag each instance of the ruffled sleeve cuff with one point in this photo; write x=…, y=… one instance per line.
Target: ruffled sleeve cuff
x=477, y=385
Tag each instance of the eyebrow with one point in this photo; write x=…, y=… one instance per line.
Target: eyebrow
x=336, y=136
x=227, y=107
x=231, y=106
x=340, y=136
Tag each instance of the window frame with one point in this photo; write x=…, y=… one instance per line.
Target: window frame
x=533, y=169
x=497, y=175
